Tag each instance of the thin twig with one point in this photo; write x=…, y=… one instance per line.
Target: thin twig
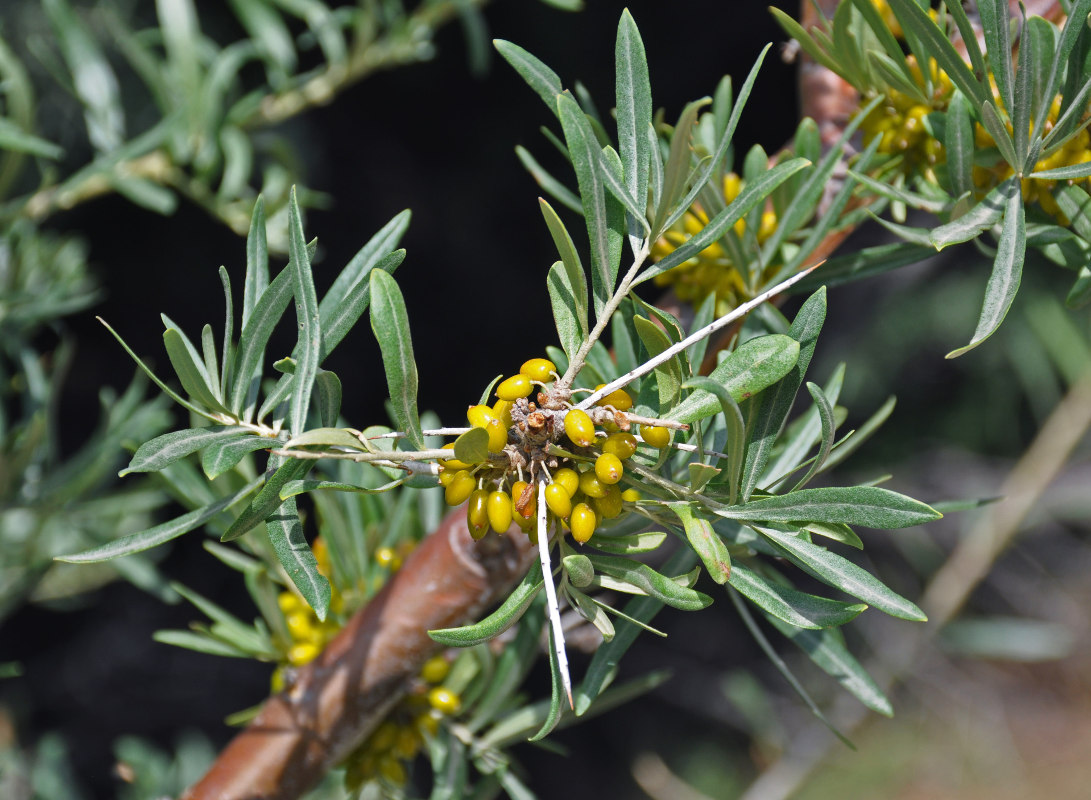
x=551, y=593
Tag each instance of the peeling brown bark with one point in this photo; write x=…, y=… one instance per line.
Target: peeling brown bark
x=343, y=695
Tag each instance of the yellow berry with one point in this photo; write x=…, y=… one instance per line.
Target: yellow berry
x=388, y=558
x=655, y=435
x=502, y=410
x=590, y=484
x=559, y=500
x=460, y=488
x=608, y=506
x=445, y=477
x=477, y=513
x=392, y=770
x=619, y=399
x=499, y=511
x=514, y=387
x=568, y=478
x=484, y=417
x=608, y=468
x=480, y=416
x=630, y=495
x=300, y=654
x=579, y=427
x=622, y=445
x=444, y=700
x=582, y=522
x=435, y=669
x=527, y=514
x=538, y=369
x=288, y=602
x=277, y=682
x=299, y=624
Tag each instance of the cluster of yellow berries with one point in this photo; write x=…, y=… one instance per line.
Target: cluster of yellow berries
x=385, y=754
x=711, y=271
x=582, y=489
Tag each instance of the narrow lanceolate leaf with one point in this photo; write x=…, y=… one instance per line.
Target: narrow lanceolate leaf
x=634, y=108
x=842, y=574
x=705, y=542
x=257, y=261
x=510, y=611
x=267, y=500
x=390, y=322
x=798, y=609
x=677, y=169
x=1006, y=274
x=642, y=579
x=328, y=437
x=1066, y=173
x=378, y=248
x=295, y=555
x=994, y=124
x=342, y=317
x=538, y=76
x=190, y=375
x=567, y=310
x=959, y=144
x=829, y=427
x=573, y=267
x=736, y=432
x=153, y=537
x=229, y=333
x=168, y=448
x=977, y=220
x=309, y=341
x=869, y=506
x=756, y=364
x=770, y=411
x=827, y=650
x=328, y=394
x=225, y=454
x=256, y=331
x=668, y=375
x=583, y=148
x=995, y=24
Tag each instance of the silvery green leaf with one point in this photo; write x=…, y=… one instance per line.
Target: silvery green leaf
x=390, y=323
x=168, y=448
x=798, y=609
x=267, y=500
x=705, y=542
x=500, y=620
x=295, y=555
x=538, y=76
x=309, y=341
x=869, y=506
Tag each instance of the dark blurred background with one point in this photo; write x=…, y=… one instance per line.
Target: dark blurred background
x=434, y=138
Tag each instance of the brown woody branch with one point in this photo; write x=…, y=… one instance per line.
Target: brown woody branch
x=343, y=695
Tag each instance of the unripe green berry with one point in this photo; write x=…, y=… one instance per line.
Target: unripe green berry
x=514, y=387
x=622, y=445
x=539, y=369
x=500, y=510
x=477, y=514
x=590, y=484
x=579, y=427
x=460, y=488
x=568, y=478
x=655, y=435
x=582, y=522
x=559, y=500
x=609, y=506
x=608, y=468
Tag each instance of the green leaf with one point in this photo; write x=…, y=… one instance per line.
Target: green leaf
x=224, y=454
x=546, y=181
x=634, y=108
x=309, y=342
x=829, y=427
x=347, y=313
x=556, y=691
x=827, y=650
x=842, y=574
x=591, y=611
x=573, y=267
x=153, y=537
x=668, y=375
x=267, y=500
x=994, y=124
x=798, y=609
x=15, y=140
x=869, y=506
x=257, y=328
x=996, y=26
x=754, y=365
x=1006, y=273
x=602, y=231
x=629, y=545
x=500, y=620
x=1065, y=173
x=192, y=377
x=642, y=579
x=472, y=447
x=327, y=437
x=390, y=323
x=769, y=411
x=736, y=431
x=328, y=390
x=168, y=448
x=538, y=76
x=569, y=313
x=958, y=141
x=201, y=643
x=296, y=488
x=978, y=219
x=294, y=554
x=705, y=542
x=677, y=168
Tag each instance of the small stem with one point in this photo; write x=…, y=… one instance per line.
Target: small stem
x=391, y=456
x=551, y=593
x=604, y=318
